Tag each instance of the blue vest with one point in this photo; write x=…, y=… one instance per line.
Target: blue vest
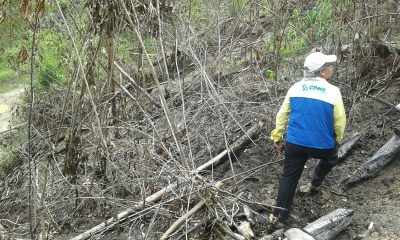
x=311, y=119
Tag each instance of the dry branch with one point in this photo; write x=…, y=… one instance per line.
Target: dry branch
x=229, y=232
x=236, y=146
x=218, y=233
x=192, y=229
x=170, y=120
x=183, y=218
x=101, y=226
x=241, y=142
x=14, y=128
x=137, y=86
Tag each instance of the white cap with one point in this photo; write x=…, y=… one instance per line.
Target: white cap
x=316, y=60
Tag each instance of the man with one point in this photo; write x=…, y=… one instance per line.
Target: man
x=314, y=113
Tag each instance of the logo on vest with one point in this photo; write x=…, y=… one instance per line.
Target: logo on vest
x=317, y=89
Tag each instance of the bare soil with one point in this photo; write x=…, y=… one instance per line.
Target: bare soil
x=7, y=100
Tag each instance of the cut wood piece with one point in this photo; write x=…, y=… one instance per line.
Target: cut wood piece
x=246, y=230
x=324, y=228
x=379, y=160
x=347, y=145
x=229, y=232
x=249, y=215
x=397, y=107
x=328, y=226
x=297, y=234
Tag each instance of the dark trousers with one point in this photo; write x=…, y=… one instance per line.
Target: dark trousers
x=295, y=158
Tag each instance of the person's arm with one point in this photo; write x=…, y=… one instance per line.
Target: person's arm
x=339, y=118
x=281, y=120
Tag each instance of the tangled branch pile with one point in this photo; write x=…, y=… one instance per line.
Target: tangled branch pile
x=122, y=145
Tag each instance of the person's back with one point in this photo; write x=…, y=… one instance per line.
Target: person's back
x=311, y=120
x=314, y=113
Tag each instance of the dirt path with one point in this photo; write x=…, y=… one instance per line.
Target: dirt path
x=7, y=100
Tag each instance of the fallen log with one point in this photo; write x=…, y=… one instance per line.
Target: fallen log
x=347, y=145
x=298, y=234
x=328, y=226
x=379, y=160
x=252, y=132
x=324, y=228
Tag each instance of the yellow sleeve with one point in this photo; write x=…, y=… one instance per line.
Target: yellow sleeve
x=339, y=118
x=281, y=120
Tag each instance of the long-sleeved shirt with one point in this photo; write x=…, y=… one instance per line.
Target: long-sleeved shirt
x=314, y=112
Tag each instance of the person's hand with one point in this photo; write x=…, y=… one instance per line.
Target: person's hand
x=278, y=144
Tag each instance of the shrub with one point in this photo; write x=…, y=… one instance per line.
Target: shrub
x=50, y=73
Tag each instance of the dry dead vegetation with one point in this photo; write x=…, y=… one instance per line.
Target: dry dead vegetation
x=177, y=146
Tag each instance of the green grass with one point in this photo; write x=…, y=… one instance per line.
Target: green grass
x=9, y=158
x=50, y=73
x=10, y=80
x=6, y=161
x=6, y=76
